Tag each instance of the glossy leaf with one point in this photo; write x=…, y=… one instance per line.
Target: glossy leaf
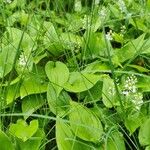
x=144, y=133
x=147, y=148
x=34, y=142
x=52, y=41
x=7, y=59
x=133, y=121
x=79, y=82
x=5, y=142
x=27, y=44
x=115, y=141
x=94, y=94
x=58, y=104
x=109, y=97
x=84, y=123
x=129, y=50
x=22, y=130
x=58, y=74
x=66, y=140
x=38, y=85
x=12, y=92
x=32, y=103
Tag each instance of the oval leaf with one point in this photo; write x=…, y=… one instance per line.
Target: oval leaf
x=81, y=82
x=58, y=74
x=84, y=123
x=144, y=133
x=66, y=140
x=5, y=143
x=22, y=130
x=58, y=104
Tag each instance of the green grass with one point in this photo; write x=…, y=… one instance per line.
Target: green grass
x=74, y=74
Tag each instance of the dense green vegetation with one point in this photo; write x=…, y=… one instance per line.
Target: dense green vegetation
x=74, y=74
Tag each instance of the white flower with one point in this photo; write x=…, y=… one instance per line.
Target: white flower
x=130, y=84
x=125, y=93
x=103, y=13
x=22, y=60
x=131, y=91
x=111, y=91
x=122, y=6
x=8, y=1
x=78, y=5
x=109, y=35
x=86, y=22
x=138, y=100
x=96, y=2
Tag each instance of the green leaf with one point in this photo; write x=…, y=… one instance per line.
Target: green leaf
x=52, y=41
x=27, y=44
x=34, y=142
x=7, y=59
x=94, y=46
x=5, y=143
x=79, y=82
x=133, y=121
x=22, y=130
x=70, y=41
x=147, y=148
x=96, y=67
x=84, y=123
x=142, y=84
x=38, y=85
x=129, y=50
x=32, y=103
x=58, y=74
x=115, y=141
x=66, y=140
x=139, y=68
x=94, y=94
x=58, y=104
x=144, y=133
x=12, y=92
x=109, y=97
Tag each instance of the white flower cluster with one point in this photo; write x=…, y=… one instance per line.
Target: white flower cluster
x=122, y=6
x=78, y=5
x=123, y=29
x=8, y=1
x=22, y=60
x=86, y=22
x=130, y=90
x=130, y=85
x=137, y=100
x=112, y=91
x=109, y=35
x=96, y=2
x=102, y=13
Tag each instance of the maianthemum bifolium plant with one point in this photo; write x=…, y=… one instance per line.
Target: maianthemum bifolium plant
x=74, y=74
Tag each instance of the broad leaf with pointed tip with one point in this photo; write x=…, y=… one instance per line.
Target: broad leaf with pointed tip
x=7, y=59
x=58, y=74
x=84, y=123
x=66, y=140
x=115, y=141
x=59, y=105
x=22, y=130
x=144, y=133
x=5, y=143
x=32, y=103
x=109, y=96
x=79, y=82
x=33, y=84
x=34, y=142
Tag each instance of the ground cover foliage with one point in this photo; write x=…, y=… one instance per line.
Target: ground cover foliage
x=74, y=74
